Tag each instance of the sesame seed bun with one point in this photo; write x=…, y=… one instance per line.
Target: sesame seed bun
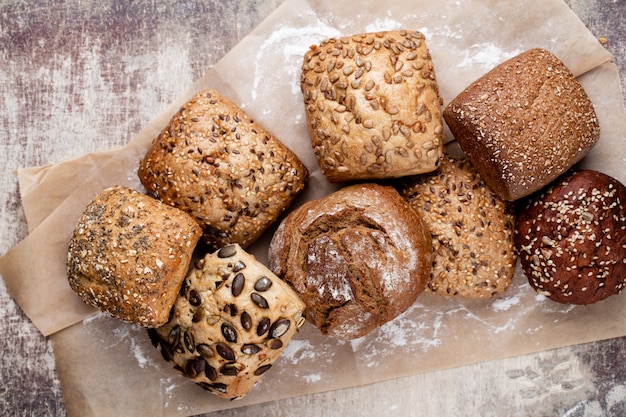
x=571, y=238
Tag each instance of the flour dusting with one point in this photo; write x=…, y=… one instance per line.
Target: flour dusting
x=290, y=44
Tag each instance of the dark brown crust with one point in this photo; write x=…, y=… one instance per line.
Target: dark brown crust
x=217, y=164
x=129, y=254
x=524, y=123
x=571, y=238
x=358, y=258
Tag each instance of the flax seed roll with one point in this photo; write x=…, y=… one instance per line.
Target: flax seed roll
x=571, y=238
x=358, y=258
x=472, y=230
x=217, y=164
x=129, y=254
x=524, y=123
x=233, y=318
x=372, y=106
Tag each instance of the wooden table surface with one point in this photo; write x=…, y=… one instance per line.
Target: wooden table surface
x=77, y=77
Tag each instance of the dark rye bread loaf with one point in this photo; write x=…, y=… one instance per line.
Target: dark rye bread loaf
x=358, y=258
x=129, y=254
x=471, y=226
x=372, y=105
x=524, y=123
x=217, y=164
x=571, y=238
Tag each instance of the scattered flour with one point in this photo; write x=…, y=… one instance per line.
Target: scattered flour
x=504, y=304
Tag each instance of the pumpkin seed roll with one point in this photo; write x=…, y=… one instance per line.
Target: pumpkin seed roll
x=372, y=106
x=231, y=321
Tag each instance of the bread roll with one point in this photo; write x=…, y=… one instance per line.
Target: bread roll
x=472, y=230
x=372, y=106
x=215, y=163
x=129, y=254
x=358, y=258
x=524, y=123
x=571, y=238
x=233, y=318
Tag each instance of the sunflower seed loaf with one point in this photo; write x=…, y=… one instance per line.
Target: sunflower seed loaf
x=129, y=254
x=472, y=230
x=217, y=164
x=231, y=321
x=372, y=106
x=524, y=123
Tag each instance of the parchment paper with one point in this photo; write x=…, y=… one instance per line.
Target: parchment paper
x=261, y=74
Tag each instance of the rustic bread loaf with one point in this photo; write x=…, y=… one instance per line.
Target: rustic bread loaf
x=372, y=106
x=215, y=163
x=129, y=254
x=571, y=238
x=524, y=123
x=233, y=318
x=472, y=230
x=358, y=258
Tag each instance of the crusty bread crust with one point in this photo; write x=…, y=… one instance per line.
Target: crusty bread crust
x=129, y=254
x=217, y=164
x=372, y=105
x=524, y=123
x=358, y=257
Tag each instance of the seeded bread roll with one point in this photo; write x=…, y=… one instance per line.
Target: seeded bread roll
x=233, y=318
x=571, y=238
x=358, y=258
x=372, y=106
x=472, y=230
x=524, y=123
x=129, y=255
x=215, y=163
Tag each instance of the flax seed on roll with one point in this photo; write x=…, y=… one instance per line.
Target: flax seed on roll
x=372, y=106
x=217, y=164
x=571, y=238
x=472, y=229
x=358, y=258
x=524, y=123
x=129, y=254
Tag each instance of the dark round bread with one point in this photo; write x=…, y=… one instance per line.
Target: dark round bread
x=358, y=258
x=571, y=238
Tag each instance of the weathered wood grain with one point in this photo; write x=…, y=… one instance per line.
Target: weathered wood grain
x=77, y=77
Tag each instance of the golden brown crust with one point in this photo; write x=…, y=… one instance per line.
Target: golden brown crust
x=472, y=230
x=231, y=321
x=217, y=164
x=372, y=106
x=358, y=257
x=129, y=254
x=571, y=238
x=524, y=123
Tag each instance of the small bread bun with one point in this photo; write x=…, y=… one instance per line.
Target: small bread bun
x=358, y=258
x=233, y=318
x=215, y=163
x=471, y=226
x=571, y=238
x=524, y=123
x=129, y=254
x=372, y=106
